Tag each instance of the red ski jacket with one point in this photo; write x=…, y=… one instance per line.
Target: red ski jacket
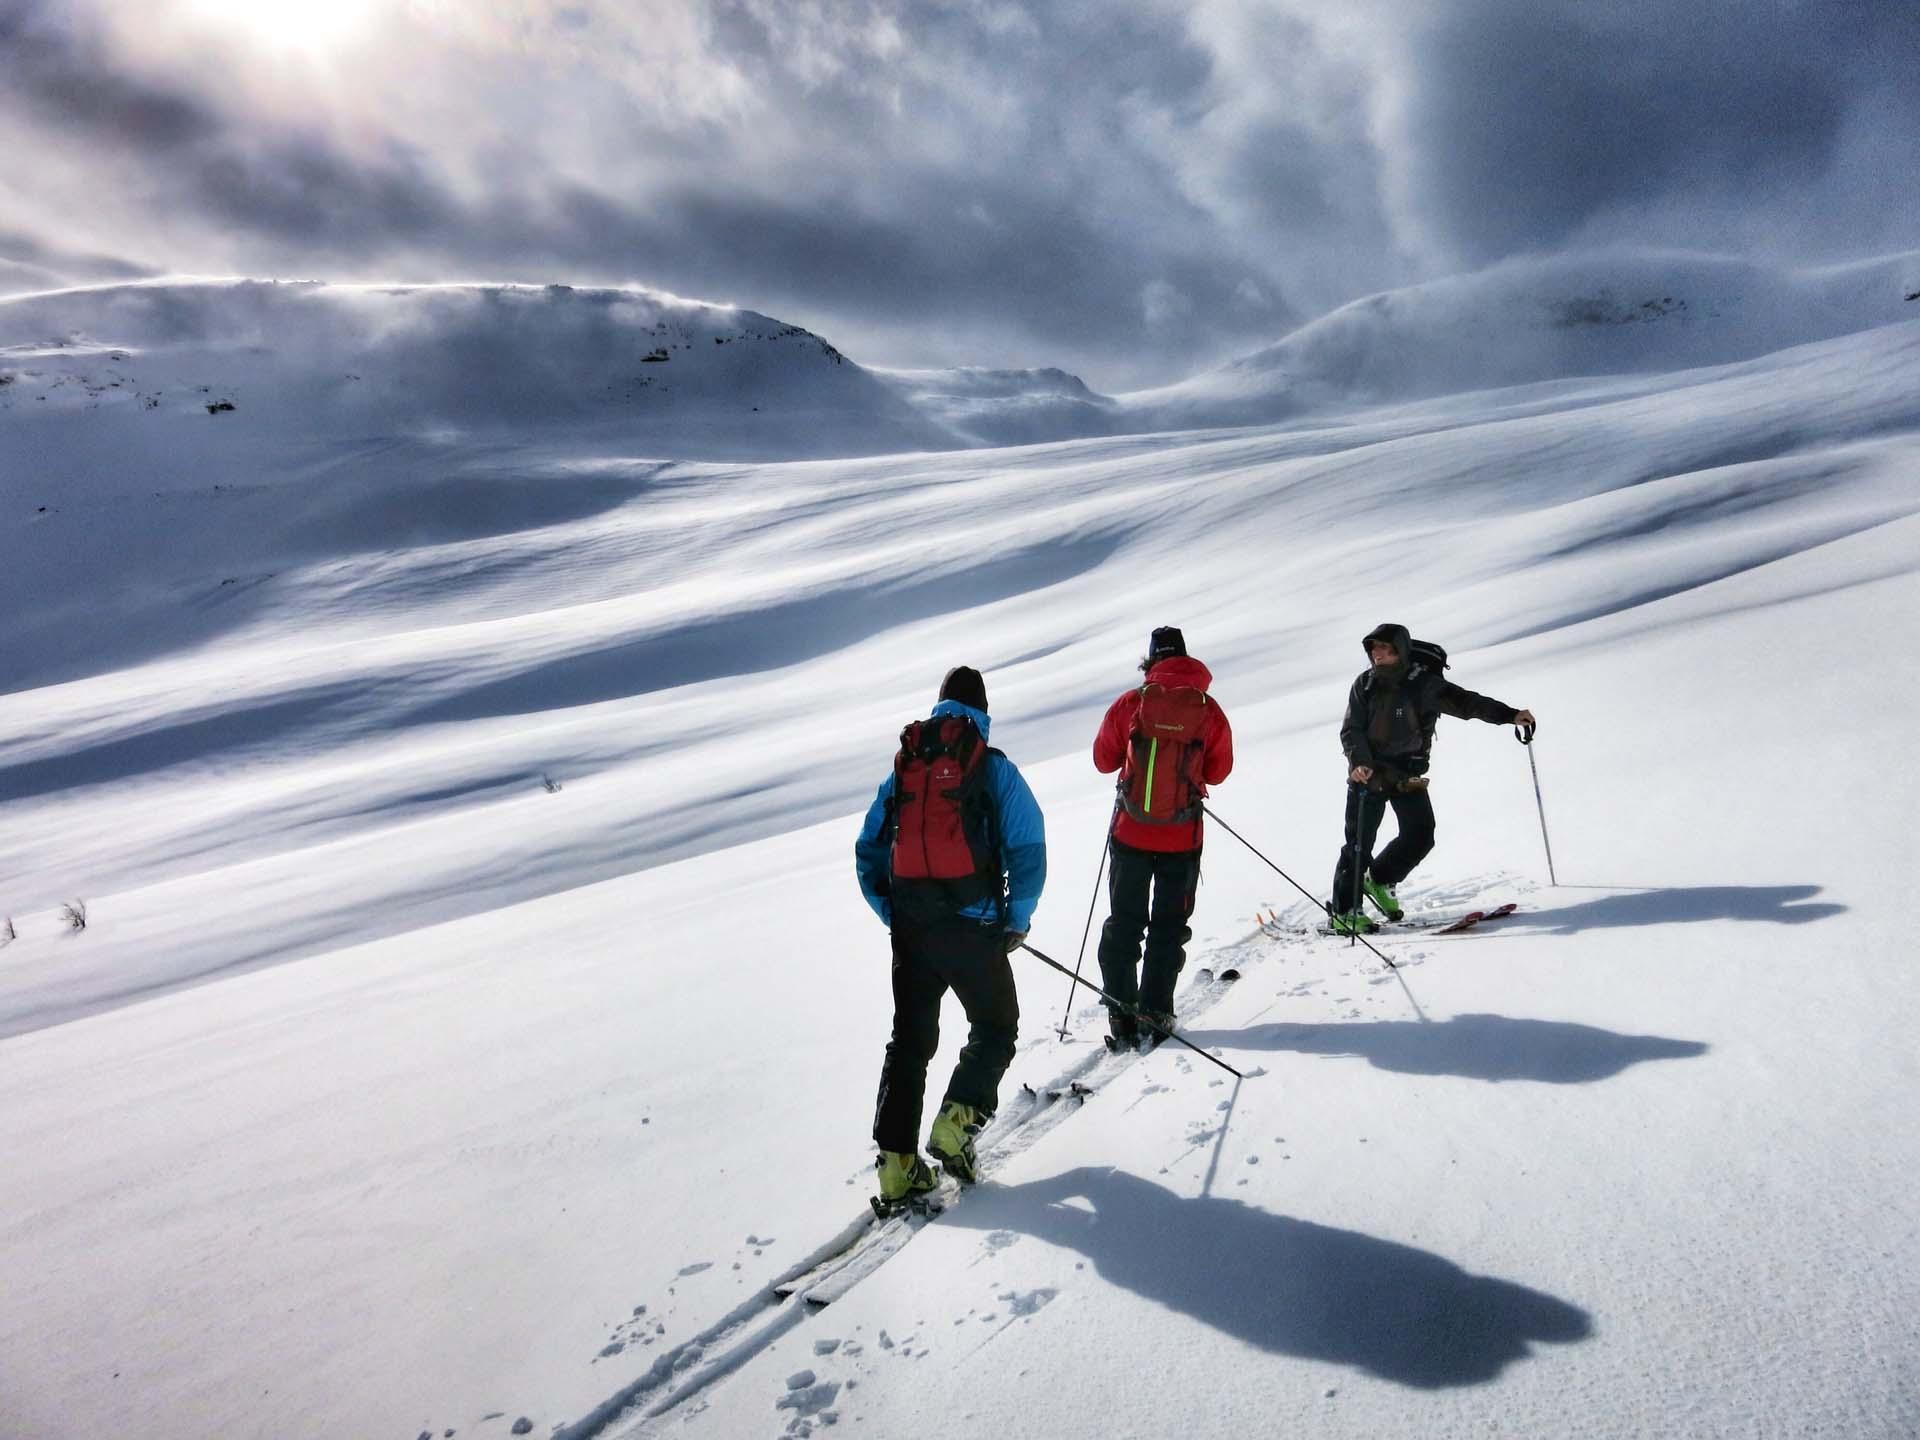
x=1216, y=756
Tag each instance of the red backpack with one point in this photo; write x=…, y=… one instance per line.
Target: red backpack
x=1160, y=780
x=944, y=857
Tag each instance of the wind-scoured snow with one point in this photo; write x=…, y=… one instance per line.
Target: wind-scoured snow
x=1538, y=320
x=475, y=1015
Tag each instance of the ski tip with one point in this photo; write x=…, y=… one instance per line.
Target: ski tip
x=1229, y=974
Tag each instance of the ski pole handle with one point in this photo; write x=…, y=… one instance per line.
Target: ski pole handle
x=1523, y=733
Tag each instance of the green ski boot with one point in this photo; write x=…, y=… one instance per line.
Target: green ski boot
x=905, y=1180
x=951, y=1142
x=1353, y=922
x=1383, y=897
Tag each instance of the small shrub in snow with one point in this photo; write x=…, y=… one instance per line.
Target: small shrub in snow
x=551, y=785
x=6, y=931
x=75, y=914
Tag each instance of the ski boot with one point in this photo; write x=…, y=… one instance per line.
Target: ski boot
x=1383, y=897
x=905, y=1181
x=1155, y=1026
x=1123, y=1032
x=951, y=1142
x=1353, y=922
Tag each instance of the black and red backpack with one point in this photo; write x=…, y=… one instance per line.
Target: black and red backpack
x=945, y=855
x=1159, y=780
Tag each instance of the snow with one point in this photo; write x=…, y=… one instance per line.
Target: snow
x=476, y=1017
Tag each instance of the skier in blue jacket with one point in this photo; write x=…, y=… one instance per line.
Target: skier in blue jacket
x=952, y=858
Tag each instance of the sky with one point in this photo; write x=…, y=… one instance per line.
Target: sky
x=1116, y=188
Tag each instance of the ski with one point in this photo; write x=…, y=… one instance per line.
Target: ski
x=1476, y=917
x=870, y=1248
x=876, y=1237
x=1431, y=925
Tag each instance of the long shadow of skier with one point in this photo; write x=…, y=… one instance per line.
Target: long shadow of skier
x=1781, y=904
x=1288, y=1286
x=1475, y=1047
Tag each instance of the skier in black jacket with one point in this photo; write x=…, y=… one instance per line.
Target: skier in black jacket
x=1388, y=739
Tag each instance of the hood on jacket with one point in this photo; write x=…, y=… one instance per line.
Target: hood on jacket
x=1401, y=639
x=1180, y=670
x=954, y=707
x=1397, y=636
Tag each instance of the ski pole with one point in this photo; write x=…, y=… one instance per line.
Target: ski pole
x=1134, y=1010
x=1081, y=959
x=1524, y=734
x=1359, y=824
x=1321, y=903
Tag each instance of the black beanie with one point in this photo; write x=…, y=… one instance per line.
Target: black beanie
x=1166, y=641
x=963, y=683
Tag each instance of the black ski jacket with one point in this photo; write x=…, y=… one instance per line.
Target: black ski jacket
x=1390, y=718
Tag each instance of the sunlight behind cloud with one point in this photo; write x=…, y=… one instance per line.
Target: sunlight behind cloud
x=311, y=25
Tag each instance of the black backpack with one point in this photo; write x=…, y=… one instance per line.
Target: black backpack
x=1427, y=653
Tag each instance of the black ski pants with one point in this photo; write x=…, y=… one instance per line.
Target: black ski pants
x=1412, y=813
x=928, y=961
x=1152, y=892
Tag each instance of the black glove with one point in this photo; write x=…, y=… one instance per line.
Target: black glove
x=1015, y=939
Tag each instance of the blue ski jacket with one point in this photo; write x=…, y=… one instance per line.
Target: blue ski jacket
x=1023, y=839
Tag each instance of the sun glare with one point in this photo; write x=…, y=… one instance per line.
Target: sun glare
x=311, y=25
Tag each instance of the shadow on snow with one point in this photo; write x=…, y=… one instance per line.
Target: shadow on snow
x=1288, y=1286
x=1474, y=1047
x=1782, y=904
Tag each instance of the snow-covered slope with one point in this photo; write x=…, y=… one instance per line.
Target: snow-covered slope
x=1537, y=320
x=101, y=373
x=475, y=1015
x=1009, y=407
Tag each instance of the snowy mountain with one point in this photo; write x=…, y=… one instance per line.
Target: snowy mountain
x=290, y=369
x=1533, y=321
x=474, y=1018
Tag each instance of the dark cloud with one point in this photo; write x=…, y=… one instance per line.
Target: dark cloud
x=61, y=265
x=58, y=68
x=1123, y=189
x=1532, y=121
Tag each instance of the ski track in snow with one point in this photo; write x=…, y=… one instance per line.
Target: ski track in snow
x=791, y=1300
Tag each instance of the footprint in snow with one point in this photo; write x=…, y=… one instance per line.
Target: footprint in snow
x=1030, y=1303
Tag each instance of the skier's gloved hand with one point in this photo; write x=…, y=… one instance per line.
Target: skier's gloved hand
x=1015, y=939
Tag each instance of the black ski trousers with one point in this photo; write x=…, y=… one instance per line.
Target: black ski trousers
x=927, y=962
x=1152, y=892
x=1412, y=813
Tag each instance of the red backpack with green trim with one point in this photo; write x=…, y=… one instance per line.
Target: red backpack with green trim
x=1160, y=779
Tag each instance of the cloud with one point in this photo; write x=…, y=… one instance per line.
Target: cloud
x=1531, y=124
x=1125, y=189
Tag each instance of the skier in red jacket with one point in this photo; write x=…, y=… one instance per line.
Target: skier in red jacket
x=1169, y=740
